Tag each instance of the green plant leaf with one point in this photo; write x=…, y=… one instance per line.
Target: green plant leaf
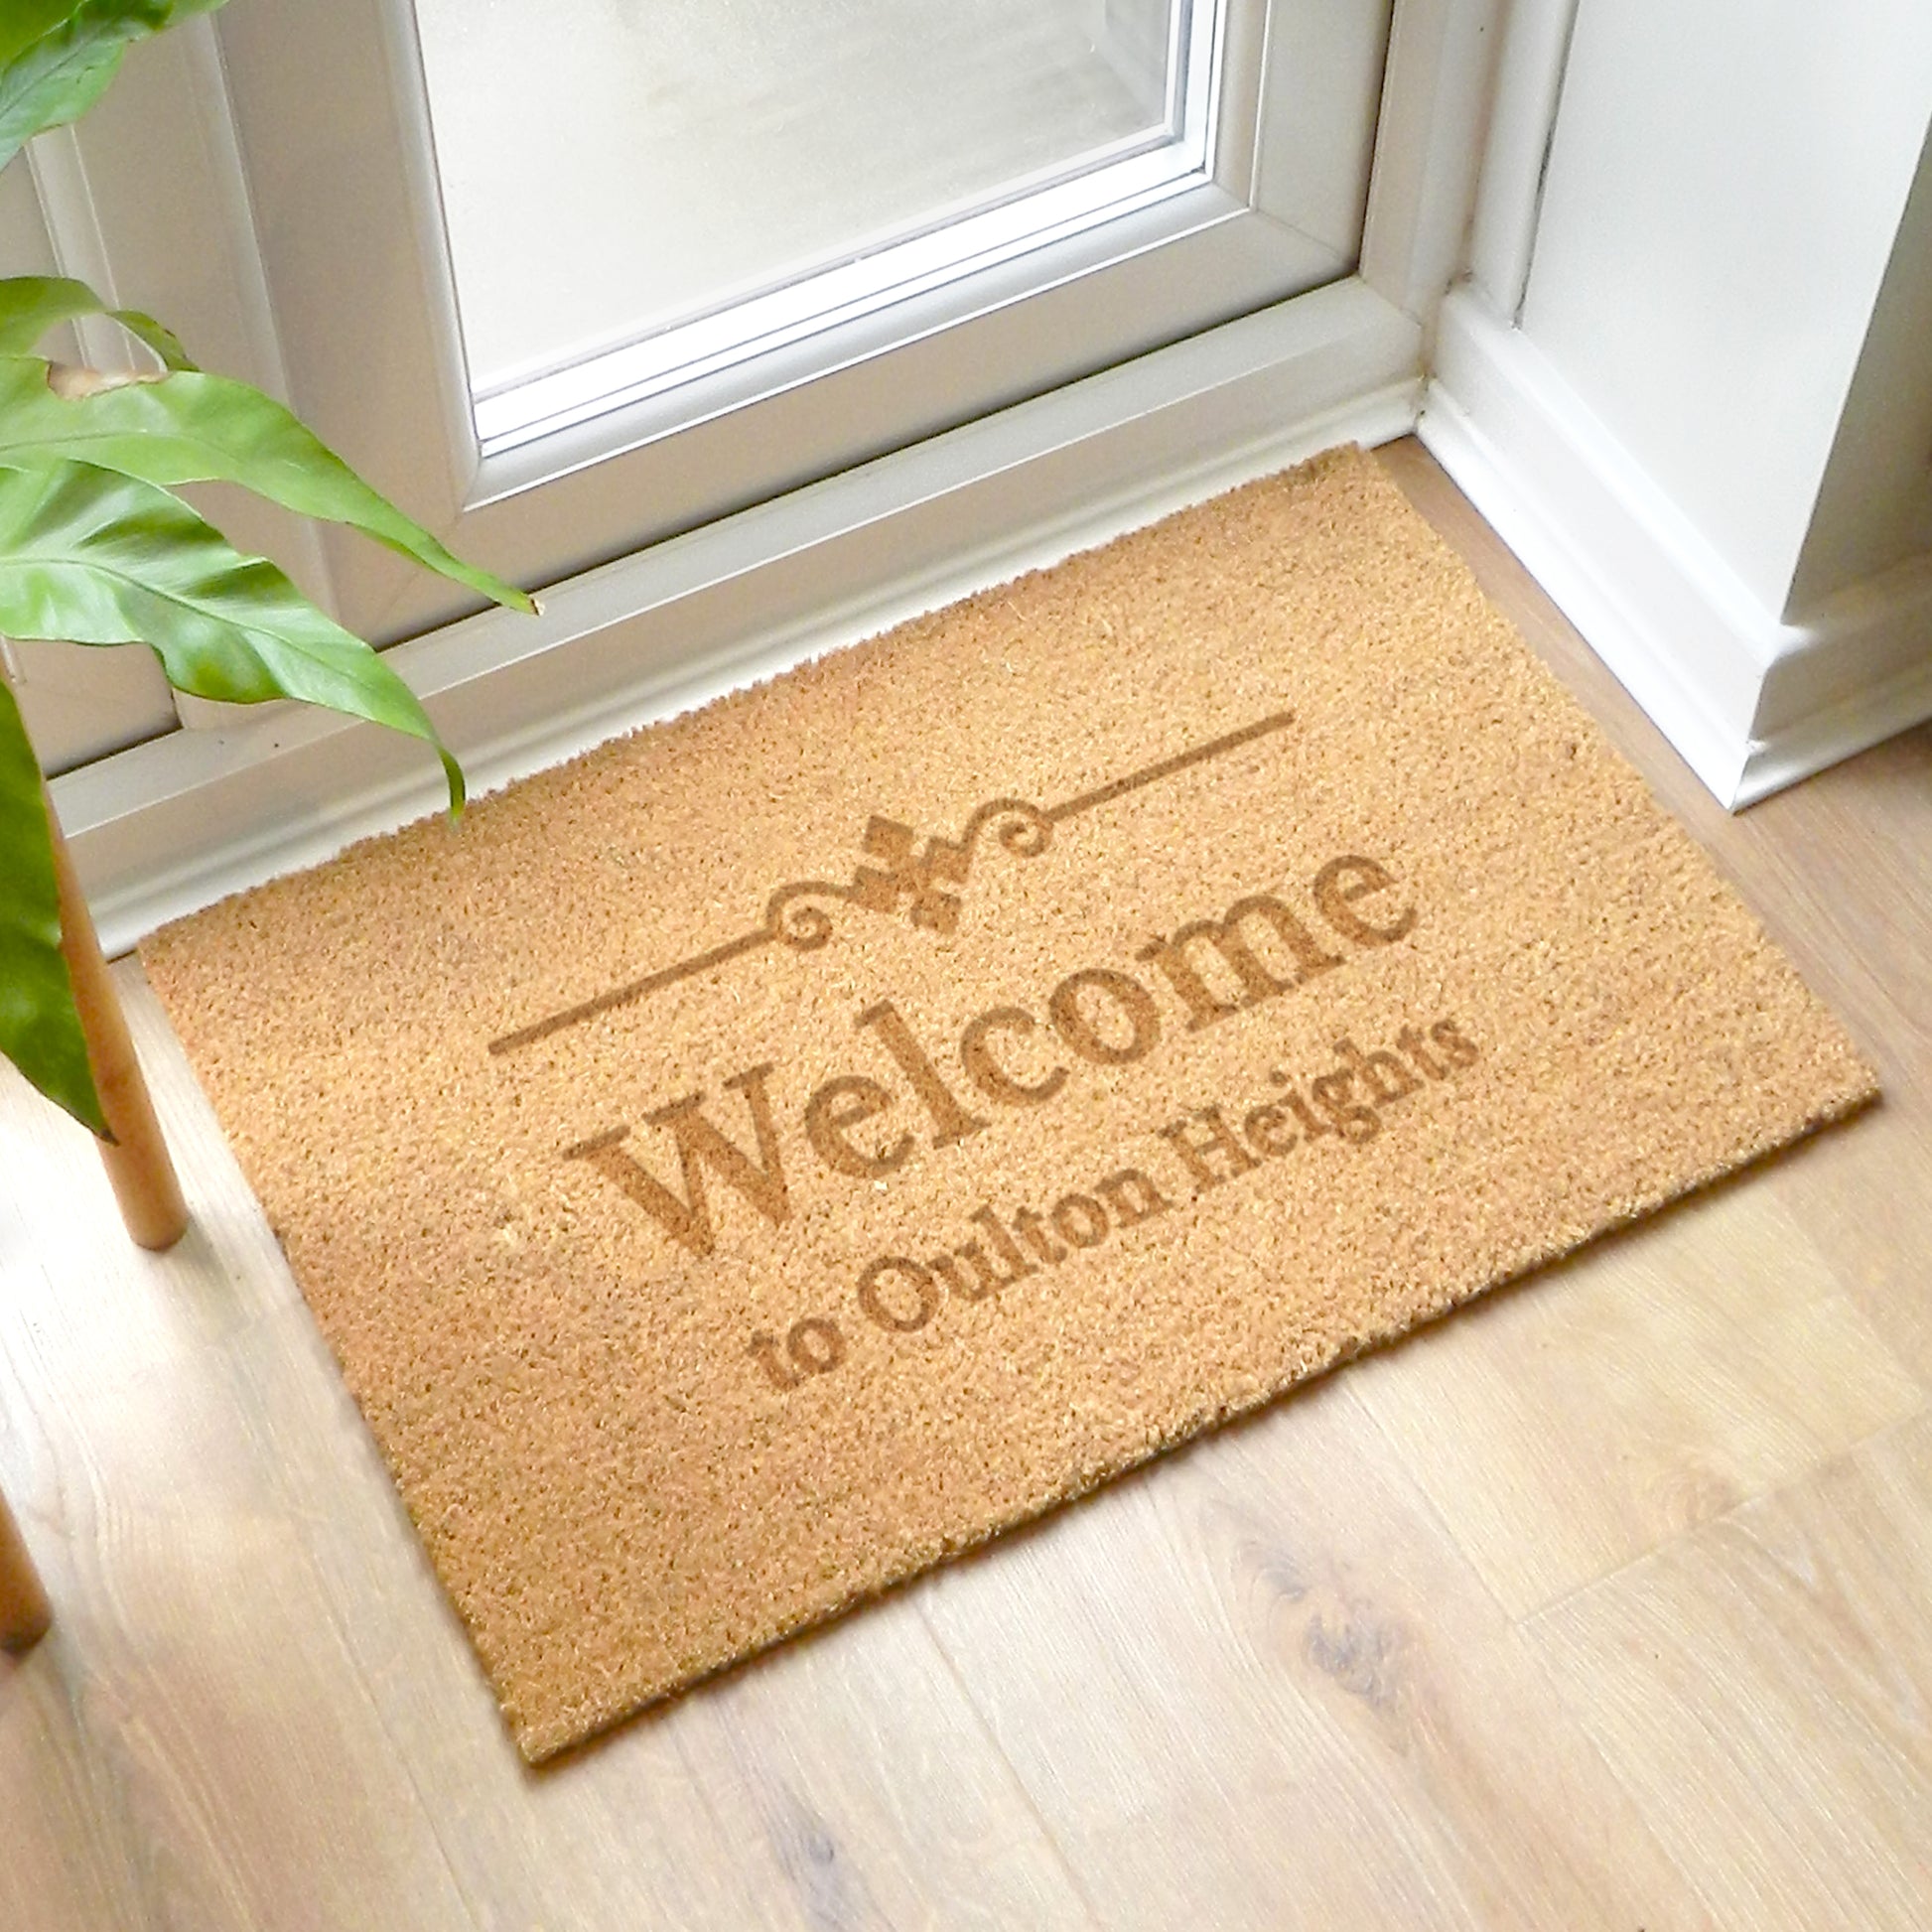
x=39, y=1031
x=196, y=428
x=57, y=77
x=23, y=22
x=31, y=305
x=96, y=558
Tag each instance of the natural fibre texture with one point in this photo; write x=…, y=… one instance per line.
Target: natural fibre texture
x=789, y=1145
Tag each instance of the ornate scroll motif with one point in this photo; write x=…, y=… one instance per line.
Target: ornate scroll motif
x=918, y=880
x=915, y=879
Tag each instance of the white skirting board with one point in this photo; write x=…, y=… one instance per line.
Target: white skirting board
x=1752, y=703
x=177, y=823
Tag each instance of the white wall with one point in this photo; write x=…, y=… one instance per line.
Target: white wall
x=1724, y=189
x=1874, y=505
x=1706, y=417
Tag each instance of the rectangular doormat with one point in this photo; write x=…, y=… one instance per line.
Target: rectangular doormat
x=791, y=1144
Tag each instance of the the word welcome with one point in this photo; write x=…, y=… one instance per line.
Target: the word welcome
x=1009, y=1055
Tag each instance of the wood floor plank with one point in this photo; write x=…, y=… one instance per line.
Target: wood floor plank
x=1259, y=1674
x=1851, y=855
x=1763, y=1689
x=1867, y=1208
x=194, y=1695
x=865, y=1768
x=65, y=1864
x=1650, y=1384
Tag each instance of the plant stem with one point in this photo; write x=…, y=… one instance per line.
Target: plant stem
x=136, y=1159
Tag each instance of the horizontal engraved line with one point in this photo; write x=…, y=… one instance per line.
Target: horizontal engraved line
x=770, y=932
x=1214, y=749
x=636, y=990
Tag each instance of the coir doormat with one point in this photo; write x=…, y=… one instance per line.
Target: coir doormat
x=785, y=1147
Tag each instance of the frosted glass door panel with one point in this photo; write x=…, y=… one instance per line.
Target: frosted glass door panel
x=616, y=169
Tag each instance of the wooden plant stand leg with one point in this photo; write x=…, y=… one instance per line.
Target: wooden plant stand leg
x=24, y=1610
x=136, y=1160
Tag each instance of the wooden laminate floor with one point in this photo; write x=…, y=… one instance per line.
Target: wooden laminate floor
x=1606, y=1604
